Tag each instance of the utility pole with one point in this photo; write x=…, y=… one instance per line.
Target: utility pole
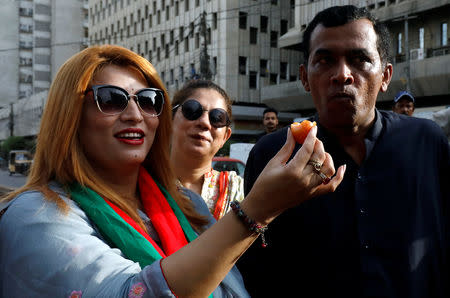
x=408, y=62
x=204, y=57
x=11, y=120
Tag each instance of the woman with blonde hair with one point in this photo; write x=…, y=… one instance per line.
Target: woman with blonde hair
x=100, y=214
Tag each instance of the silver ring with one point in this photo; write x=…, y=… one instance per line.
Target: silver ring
x=317, y=166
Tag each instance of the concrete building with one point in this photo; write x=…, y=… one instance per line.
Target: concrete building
x=420, y=44
x=37, y=37
x=233, y=42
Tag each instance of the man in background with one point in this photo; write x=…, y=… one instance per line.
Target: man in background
x=404, y=103
x=270, y=121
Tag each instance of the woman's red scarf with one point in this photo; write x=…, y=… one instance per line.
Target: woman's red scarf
x=121, y=231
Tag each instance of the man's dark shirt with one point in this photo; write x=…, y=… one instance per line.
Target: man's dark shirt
x=383, y=233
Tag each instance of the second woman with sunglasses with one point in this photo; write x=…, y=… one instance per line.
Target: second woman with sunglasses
x=201, y=126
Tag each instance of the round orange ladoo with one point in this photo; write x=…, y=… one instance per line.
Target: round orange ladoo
x=301, y=130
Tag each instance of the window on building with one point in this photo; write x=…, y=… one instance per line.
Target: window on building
x=186, y=5
x=167, y=51
x=274, y=2
x=283, y=27
x=176, y=47
x=158, y=54
x=154, y=43
x=242, y=20
x=253, y=80
x=264, y=23
x=191, y=29
x=273, y=78
x=154, y=7
x=399, y=43
x=273, y=39
x=444, y=34
x=197, y=40
x=421, y=37
x=177, y=8
x=214, y=66
x=283, y=70
x=171, y=37
x=158, y=17
x=182, y=73
x=171, y=77
x=150, y=21
x=142, y=25
x=197, y=3
x=242, y=65
x=167, y=13
x=214, y=20
x=253, y=35
x=208, y=36
x=186, y=44
x=263, y=70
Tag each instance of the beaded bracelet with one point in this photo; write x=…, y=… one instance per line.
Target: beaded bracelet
x=250, y=223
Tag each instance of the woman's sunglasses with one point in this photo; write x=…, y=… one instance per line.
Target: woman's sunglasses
x=192, y=110
x=113, y=100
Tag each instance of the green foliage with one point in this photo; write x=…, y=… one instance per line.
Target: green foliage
x=16, y=143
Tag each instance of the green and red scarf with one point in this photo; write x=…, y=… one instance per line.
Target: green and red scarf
x=121, y=231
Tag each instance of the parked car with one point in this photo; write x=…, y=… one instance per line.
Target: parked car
x=228, y=164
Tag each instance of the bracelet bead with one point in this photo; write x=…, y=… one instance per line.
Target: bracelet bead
x=250, y=223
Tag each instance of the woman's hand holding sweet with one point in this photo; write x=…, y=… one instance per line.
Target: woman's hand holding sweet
x=286, y=183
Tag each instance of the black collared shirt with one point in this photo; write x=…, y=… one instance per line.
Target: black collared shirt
x=383, y=233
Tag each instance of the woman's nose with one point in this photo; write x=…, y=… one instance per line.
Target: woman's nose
x=132, y=112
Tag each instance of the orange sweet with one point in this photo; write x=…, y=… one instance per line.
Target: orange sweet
x=300, y=130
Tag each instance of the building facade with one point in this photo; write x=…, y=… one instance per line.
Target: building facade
x=420, y=47
x=37, y=37
x=233, y=42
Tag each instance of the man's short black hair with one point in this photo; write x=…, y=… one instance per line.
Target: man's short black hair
x=341, y=15
x=268, y=110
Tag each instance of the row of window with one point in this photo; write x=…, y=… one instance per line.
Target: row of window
x=443, y=38
x=263, y=23
x=264, y=72
x=113, y=8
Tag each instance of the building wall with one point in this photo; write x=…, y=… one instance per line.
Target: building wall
x=9, y=52
x=147, y=27
x=427, y=77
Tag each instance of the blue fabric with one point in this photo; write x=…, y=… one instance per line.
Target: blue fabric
x=44, y=253
x=385, y=232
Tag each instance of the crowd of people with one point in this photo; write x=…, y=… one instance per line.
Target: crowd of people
x=122, y=200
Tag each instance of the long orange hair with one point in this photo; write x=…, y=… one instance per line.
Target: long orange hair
x=59, y=155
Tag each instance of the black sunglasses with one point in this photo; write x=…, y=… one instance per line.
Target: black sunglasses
x=113, y=100
x=192, y=110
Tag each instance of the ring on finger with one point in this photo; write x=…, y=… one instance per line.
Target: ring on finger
x=317, y=166
x=325, y=178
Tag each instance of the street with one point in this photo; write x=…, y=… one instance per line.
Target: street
x=10, y=182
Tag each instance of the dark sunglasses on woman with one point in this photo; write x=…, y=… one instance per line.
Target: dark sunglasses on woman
x=113, y=100
x=192, y=110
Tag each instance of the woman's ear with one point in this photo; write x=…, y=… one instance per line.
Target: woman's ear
x=226, y=136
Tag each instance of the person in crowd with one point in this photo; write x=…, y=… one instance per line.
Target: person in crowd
x=384, y=232
x=270, y=121
x=100, y=214
x=404, y=103
x=201, y=126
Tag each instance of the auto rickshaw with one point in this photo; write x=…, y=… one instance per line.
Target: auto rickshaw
x=19, y=162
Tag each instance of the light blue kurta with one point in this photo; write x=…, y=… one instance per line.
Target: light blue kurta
x=44, y=253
